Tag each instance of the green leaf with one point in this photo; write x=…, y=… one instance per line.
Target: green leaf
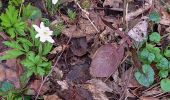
x=158, y=57
x=10, y=54
x=58, y=29
x=155, y=37
x=13, y=44
x=31, y=12
x=163, y=64
x=154, y=16
x=46, y=48
x=71, y=14
x=163, y=73
x=167, y=53
x=40, y=71
x=165, y=85
x=6, y=86
x=11, y=22
x=146, y=77
x=44, y=64
x=151, y=57
x=24, y=41
x=27, y=63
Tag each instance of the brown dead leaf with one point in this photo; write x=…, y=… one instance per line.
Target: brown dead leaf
x=2, y=72
x=84, y=26
x=79, y=74
x=106, y=60
x=11, y=63
x=51, y=97
x=148, y=98
x=79, y=46
x=168, y=29
x=59, y=49
x=73, y=31
x=12, y=76
x=34, y=87
x=97, y=87
x=165, y=19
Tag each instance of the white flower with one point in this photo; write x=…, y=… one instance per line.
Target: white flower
x=44, y=33
x=54, y=1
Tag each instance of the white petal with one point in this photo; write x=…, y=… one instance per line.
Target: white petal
x=50, y=32
x=37, y=28
x=54, y=1
x=49, y=39
x=42, y=39
x=37, y=35
x=42, y=26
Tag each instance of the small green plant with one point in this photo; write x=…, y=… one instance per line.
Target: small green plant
x=71, y=14
x=8, y=92
x=154, y=17
x=16, y=2
x=36, y=65
x=151, y=54
x=12, y=23
x=51, y=8
x=31, y=12
x=58, y=28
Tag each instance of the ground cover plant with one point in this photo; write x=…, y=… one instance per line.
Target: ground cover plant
x=84, y=49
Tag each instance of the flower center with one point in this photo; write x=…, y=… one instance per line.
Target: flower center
x=45, y=33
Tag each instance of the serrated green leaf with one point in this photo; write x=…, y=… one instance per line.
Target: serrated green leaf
x=47, y=48
x=25, y=41
x=146, y=77
x=13, y=44
x=11, y=22
x=154, y=16
x=155, y=37
x=44, y=64
x=10, y=54
x=165, y=85
x=40, y=71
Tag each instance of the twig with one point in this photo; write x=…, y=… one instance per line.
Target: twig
x=86, y=14
x=125, y=9
x=55, y=64
x=136, y=13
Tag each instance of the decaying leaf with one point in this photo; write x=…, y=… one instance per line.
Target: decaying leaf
x=79, y=46
x=85, y=27
x=79, y=74
x=112, y=3
x=106, y=60
x=51, y=97
x=97, y=87
x=165, y=19
x=63, y=84
x=139, y=31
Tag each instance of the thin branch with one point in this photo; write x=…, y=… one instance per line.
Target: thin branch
x=87, y=15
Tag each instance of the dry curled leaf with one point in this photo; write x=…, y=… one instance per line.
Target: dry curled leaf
x=106, y=60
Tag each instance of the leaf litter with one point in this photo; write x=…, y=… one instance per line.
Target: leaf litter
x=77, y=75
